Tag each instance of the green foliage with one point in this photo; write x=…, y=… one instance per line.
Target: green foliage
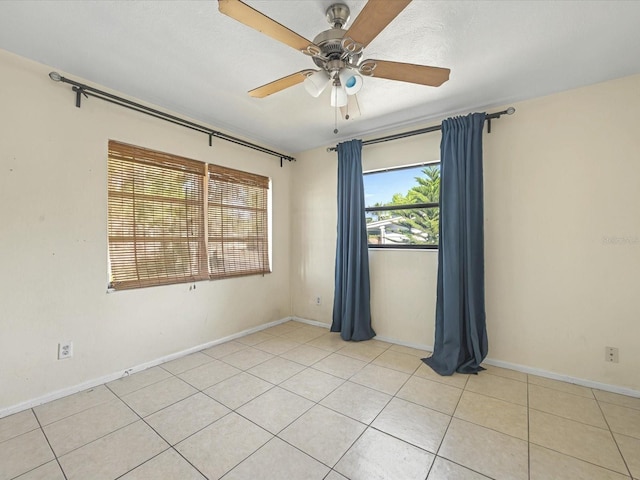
x=421, y=223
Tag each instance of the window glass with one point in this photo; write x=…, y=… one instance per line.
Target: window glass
x=402, y=208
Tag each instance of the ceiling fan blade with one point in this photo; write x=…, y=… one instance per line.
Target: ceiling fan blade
x=252, y=18
x=280, y=84
x=373, y=18
x=352, y=109
x=409, y=72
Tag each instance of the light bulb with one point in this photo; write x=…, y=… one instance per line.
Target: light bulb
x=338, y=96
x=316, y=83
x=352, y=82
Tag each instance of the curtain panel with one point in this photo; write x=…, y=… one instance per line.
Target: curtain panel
x=460, y=329
x=351, y=304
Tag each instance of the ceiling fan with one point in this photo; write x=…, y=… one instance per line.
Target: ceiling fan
x=337, y=52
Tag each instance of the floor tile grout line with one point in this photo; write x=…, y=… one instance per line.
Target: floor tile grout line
x=579, y=459
x=367, y=426
x=19, y=434
x=571, y=419
x=351, y=446
x=79, y=411
x=618, y=405
x=444, y=435
x=370, y=424
x=498, y=399
x=106, y=434
x=463, y=466
x=170, y=446
x=592, y=397
x=246, y=369
x=507, y=378
x=250, y=455
x=529, y=382
x=318, y=402
x=168, y=405
x=211, y=359
x=613, y=437
x=97, y=438
x=44, y=434
x=146, y=461
x=370, y=362
x=287, y=425
x=276, y=435
x=137, y=389
x=494, y=397
x=308, y=454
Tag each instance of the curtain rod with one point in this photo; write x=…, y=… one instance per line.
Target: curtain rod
x=88, y=91
x=435, y=128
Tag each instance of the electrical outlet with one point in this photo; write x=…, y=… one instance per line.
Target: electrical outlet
x=318, y=300
x=65, y=350
x=611, y=354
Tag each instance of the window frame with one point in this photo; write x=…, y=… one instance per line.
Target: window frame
x=412, y=206
x=130, y=167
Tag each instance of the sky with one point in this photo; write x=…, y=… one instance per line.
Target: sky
x=380, y=186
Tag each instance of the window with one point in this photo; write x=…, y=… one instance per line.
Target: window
x=402, y=208
x=164, y=229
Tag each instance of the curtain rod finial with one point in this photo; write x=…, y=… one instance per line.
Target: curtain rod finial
x=511, y=111
x=55, y=76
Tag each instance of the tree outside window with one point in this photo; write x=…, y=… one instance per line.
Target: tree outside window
x=402, y=207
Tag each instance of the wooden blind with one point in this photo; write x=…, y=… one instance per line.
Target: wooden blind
x=238, y=240
x=156, y=222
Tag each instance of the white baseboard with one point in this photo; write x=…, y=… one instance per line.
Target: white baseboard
x=512, y=366
x=138, y=368
x=315, y=323
x=395, y=341
x=114, y=376
x=564, y=378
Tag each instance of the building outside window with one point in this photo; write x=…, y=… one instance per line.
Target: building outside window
x=402, y=208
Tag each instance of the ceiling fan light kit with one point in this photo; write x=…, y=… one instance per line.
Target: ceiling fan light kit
x=352, y=82
x=316, y=83
x=337, y=52
x=338, y=96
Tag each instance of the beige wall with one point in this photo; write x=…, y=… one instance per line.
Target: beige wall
x=562, y=176
x=53, y=244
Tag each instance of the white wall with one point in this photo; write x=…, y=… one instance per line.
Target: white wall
x=53, y=243
x=561, y=177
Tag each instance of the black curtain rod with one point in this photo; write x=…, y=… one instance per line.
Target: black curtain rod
x=88, y=91
x=435, y=128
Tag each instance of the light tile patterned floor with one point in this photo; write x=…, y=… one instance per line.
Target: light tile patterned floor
x=296, y=402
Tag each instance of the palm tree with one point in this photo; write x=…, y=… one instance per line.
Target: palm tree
x=421, y=223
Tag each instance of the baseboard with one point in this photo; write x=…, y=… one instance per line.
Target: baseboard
x=315, y=323
x=395, y=341
x=512, y=366
x=564, y=378
x=138, y=368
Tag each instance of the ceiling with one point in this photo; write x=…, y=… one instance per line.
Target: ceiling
x=187, y=57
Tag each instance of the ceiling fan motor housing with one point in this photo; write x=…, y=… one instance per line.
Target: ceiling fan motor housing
x=330, y=42
x=338, y=15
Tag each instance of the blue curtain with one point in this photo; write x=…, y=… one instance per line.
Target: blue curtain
x=460, y=334
x=351, y=307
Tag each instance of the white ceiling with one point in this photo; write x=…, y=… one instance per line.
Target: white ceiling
x=187, y=57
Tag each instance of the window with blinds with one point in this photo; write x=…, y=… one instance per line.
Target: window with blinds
x=176, y=220
x=237, y=223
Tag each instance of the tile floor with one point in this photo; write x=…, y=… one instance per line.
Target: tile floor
x=295, y=402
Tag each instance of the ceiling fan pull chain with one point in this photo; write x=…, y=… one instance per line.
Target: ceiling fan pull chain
x=335, y=122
